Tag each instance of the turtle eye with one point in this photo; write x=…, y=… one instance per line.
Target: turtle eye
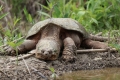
x=55, y=51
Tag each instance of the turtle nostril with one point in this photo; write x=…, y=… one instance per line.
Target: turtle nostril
x=42, y=51
x=45, y=54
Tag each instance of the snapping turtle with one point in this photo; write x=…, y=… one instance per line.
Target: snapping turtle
x=51, y=36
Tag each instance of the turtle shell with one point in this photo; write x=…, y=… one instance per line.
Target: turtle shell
x=66, y=23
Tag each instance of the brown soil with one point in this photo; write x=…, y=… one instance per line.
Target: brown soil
x=34, y=69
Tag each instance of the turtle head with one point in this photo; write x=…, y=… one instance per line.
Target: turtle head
x=47, y=49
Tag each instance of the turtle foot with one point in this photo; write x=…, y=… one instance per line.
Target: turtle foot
x=9, y=50
x=69, y=58
x=69, y=54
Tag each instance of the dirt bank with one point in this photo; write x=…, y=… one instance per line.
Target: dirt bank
x=34, y=69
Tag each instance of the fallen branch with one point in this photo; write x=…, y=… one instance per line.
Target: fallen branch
x=31, y=53
x=104, y=39
x=96, y=50
x=24, y=56
x=98, y=38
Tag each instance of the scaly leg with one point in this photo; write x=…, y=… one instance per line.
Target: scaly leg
x=69, y=49
x=27, y=45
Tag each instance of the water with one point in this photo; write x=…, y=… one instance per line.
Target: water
x=101, y=74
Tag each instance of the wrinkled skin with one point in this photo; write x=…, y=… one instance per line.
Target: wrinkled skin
x=50, y=51
x=51, y=40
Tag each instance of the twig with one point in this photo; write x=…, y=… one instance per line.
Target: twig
x=20, y=58
x=108, y=43
x=26, y=65
x=108, y=37
x=39, y=73
x=95, y=50
x=99, y=34
x=98, y=38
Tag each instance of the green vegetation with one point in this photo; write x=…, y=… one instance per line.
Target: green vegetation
x=2, y=15
x=17, y=6
x=54, y=75
x=95, y=15
x=8, y=36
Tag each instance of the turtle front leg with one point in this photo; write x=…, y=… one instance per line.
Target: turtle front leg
x=26, y=46
x=69, y=49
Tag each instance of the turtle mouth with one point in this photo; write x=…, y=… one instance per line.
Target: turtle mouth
x=46, y=57
x=52, y=57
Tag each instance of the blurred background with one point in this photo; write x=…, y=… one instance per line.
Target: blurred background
x=18, y=16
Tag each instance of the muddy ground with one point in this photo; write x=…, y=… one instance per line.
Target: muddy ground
x=34, y=69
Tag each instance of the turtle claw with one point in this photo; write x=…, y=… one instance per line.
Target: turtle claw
x=9, y=50
x=68, y=58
